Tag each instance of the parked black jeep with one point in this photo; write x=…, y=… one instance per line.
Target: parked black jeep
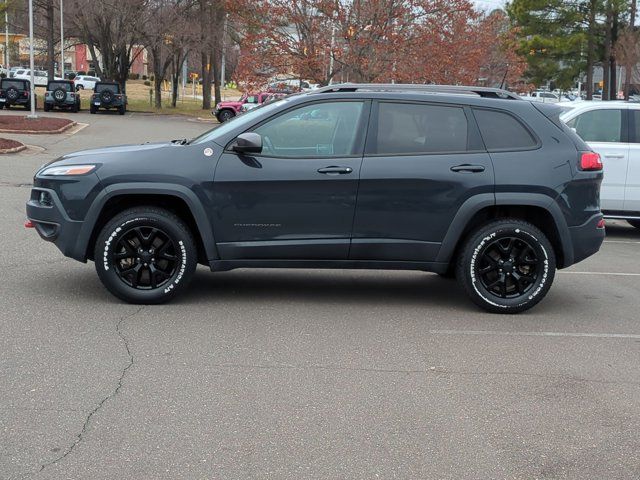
x=15, y=91
x=61, y=94
x=107, y=95
x=465, y=181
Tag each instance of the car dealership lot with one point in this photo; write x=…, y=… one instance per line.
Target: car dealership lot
x=306, y=374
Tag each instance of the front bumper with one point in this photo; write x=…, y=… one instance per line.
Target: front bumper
x=587, y=238
x=53, y=224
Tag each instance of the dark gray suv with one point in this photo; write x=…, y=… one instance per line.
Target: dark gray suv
x=462, y=181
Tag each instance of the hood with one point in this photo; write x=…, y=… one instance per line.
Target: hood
x=116, y=149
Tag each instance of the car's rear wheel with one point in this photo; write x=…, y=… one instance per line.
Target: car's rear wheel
x=634, y=223
x=145, y=255
x=121, y=110
x=47, y=107
x=506, y=266
x=92, y=109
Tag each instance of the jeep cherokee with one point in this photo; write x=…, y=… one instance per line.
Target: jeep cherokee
x=469, y=182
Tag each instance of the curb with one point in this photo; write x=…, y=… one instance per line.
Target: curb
x=38, y=132
x=19, y=148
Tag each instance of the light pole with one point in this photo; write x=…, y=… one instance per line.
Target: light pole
x=31, y=63
x=6, y=36
x=61, y=42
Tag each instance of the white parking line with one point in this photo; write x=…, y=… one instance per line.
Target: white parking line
x=621, y=241
x=535, y=334
x=622, y=274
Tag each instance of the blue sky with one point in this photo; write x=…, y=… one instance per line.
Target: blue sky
x=489, y=4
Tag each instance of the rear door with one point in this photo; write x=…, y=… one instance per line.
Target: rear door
x=422, y=161
x=606, y=131
x=632, y=185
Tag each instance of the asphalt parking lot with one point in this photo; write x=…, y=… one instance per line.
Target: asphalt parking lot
x=292, y=374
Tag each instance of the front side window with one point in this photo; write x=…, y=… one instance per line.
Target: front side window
x=598, y=125
x=501, y=131
x=408, y=129
x=317, y=130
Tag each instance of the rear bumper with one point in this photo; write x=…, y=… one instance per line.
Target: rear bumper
x=54, y=225
x=587, y=238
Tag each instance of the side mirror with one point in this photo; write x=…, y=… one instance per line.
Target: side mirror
x=248, y=143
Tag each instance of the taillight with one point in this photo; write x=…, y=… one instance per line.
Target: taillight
x=25, y=94
x=590, y=161
x=600, y=223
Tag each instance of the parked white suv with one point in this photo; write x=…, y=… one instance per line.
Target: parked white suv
x=543, y=96
x=40, y=77
x=613, y=130
x=85, y=82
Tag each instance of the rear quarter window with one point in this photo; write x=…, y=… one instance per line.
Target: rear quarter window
x=502, y=131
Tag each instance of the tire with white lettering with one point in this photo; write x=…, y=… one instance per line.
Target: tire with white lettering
x=145, y=255
x=506, y=266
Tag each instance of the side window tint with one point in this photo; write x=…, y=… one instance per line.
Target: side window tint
x=636, y=122
x=406, y=129
x=501, y=131
x=598, y=125
x=317, y=130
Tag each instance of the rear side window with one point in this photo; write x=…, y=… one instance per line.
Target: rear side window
x=599, y=125
x=636, y=125
x=408, y=129
x=501, y=131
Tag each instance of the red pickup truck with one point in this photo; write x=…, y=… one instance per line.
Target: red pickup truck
x=228, y=109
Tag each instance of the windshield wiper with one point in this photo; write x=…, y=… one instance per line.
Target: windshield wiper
x=182, y=141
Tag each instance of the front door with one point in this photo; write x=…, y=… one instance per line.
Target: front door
x=296, y=199
x=422, y=162
x=605, y=130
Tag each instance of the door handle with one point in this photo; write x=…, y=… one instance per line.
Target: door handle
x=335, y=170
x=468, y=168
x=614, y=155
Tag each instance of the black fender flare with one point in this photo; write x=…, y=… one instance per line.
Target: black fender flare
x=476, y=203
x=170, y=190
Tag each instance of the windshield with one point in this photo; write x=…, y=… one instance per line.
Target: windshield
x=238, y=122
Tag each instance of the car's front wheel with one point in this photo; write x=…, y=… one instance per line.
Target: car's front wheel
x=506, y=266
x=145, y=255
x=225, y=115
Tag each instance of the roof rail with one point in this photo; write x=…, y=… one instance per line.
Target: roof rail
x=485, y=92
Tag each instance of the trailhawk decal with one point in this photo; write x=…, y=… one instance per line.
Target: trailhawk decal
x=116, y=232
x=474, y=279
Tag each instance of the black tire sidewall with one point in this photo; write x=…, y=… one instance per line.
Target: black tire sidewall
x=634, y=223
x=173, y=227
x=467, y=266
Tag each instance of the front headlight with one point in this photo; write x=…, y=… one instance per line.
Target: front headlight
x=68, y=170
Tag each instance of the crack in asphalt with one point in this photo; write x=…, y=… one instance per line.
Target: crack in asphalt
x=123, y=373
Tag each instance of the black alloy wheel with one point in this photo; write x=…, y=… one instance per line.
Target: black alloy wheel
x=506, y=266
x=145, y=258
x=145, y=255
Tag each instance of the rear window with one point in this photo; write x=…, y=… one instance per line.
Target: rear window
x=65, y=86
x=408, y=129
x=17, y=84
x=103, y=87
x=502, y=131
